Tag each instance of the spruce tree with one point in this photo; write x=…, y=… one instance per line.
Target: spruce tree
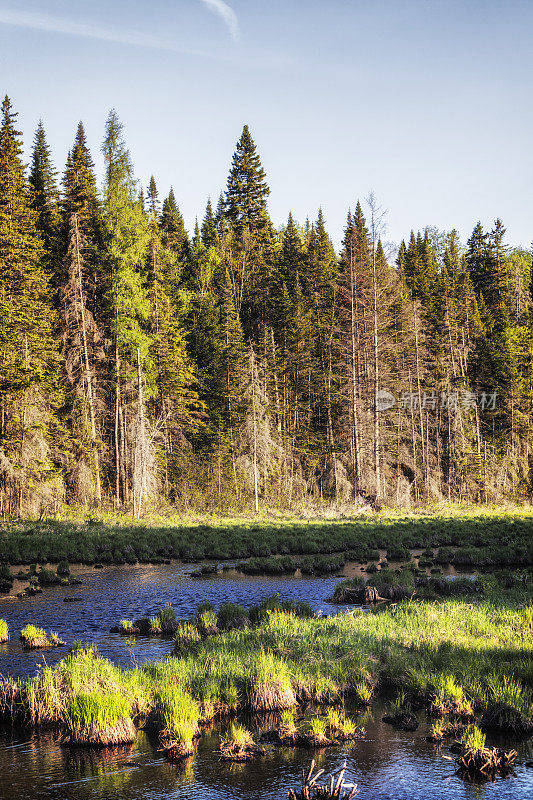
x=126, y=238
x=29, y=387
x=45, y=195
x=247, y=189
x=209, y=229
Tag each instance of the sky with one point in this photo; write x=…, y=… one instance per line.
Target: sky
x=427, y=103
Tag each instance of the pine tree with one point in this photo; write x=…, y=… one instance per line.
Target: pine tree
x=29, y=387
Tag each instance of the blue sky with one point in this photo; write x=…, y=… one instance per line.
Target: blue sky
x=426, y=102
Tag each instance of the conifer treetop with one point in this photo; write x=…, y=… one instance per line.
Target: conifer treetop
x=247, y=189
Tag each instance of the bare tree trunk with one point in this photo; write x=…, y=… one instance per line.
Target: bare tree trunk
x=355, y=425
x=88, y=371
x=256, y=489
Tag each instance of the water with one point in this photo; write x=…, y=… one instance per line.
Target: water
x=387, y=765
x=116, y=593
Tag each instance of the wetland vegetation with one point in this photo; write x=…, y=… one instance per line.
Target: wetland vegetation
x=468, y=539
x=455, y=660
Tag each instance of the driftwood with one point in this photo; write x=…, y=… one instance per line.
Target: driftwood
x=334, y=789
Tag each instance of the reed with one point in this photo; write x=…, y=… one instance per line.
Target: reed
x=99, y=719
x=270, y=686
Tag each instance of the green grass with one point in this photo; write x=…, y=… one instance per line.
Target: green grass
x=97, y=709
x=126, y=626
x=238, y=736
x=178, y=712
x=469, y=538
x=450, y=654
x=473, y=739
x=4, y=631
x=510, y=692
x=166, y=614
x=30, y=632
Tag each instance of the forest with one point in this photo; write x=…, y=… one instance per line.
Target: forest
x=247, y=366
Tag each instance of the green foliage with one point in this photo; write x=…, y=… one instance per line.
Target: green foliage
x=97, y=709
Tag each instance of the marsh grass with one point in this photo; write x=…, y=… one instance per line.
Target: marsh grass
x=98, y=718
x=508, y=708
x=339, y=727
x=126, y=627
x=400, y=704
x=450, y=699
x=362, y=692
x=46, y=696
x=10, y=699
x=478, y=759
x=436, y=654
x=473, y=739
x=186, y=636
x=206, y=622
x=482, y=537
x=175, y=713
x=4, y=631
x=238, y=744
x=270, y=686
x=314, y=733
x=287, y=730
x=33, y=638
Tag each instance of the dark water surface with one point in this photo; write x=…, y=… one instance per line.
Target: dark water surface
x=387, y=765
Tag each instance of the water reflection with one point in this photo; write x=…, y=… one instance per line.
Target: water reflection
x=387, y=765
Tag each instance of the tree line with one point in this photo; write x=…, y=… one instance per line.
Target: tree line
x=244, y=365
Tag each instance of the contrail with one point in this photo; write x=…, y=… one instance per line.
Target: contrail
x=42, y=22
x=228, y=15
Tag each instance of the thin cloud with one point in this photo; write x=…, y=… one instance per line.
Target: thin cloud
x=41, y=22
x=227, y=14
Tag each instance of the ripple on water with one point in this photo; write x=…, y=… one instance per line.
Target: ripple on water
x=388, y=765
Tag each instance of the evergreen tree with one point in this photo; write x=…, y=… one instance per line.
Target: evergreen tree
x=29, y=390
x=209, y=228
x=247, y=190
x=45, y=195
x=173, y=233
x=126, y=238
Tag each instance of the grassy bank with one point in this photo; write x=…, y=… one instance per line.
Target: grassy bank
x=469, y=539
x=454, y=658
